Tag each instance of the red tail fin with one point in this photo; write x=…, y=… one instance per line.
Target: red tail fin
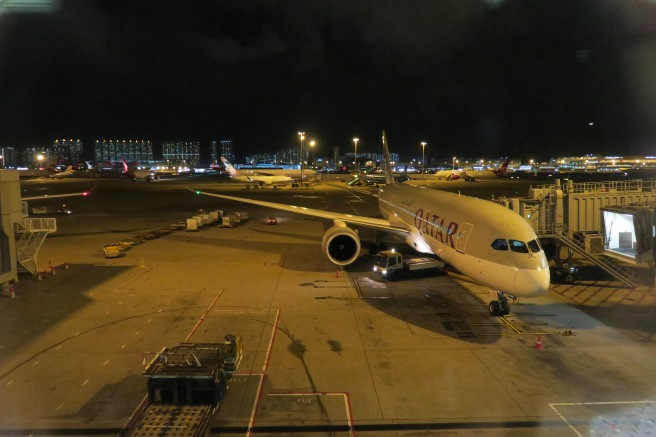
x=500, y=170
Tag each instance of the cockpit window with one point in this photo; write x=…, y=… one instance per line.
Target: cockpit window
x=500, y=244
x=534, y=246
x=518, y=246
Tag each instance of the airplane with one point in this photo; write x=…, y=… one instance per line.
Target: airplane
x=292, y=173
x=472, y=175
x=258, y=180
x=374, y=179
x=62, y=174
x=145, y=174
x=485, y=241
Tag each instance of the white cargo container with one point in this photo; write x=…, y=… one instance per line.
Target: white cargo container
x=228, y=221
x=207, y=219
x=199, y=220
x=241, y=216
x=192, y=224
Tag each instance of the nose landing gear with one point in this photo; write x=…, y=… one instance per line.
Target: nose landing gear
x=501, y=306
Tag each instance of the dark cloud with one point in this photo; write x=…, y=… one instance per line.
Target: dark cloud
x=489, y=77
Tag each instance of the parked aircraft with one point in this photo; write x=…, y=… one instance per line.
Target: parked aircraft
x=484, y=240
x=145, y=174
x=472, y=175
x=255, y=179
x=62, y=174
x=374, y=179
x=292, y=173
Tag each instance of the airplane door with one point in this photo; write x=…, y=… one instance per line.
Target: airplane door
x=462, y=236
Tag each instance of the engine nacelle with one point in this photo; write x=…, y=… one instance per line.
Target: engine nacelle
x=341, y=244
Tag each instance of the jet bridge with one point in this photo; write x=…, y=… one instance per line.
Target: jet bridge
x=578, y=217
x=10, y=212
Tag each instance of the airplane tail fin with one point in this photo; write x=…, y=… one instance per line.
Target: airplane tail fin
x=125, y=165
x=500, y=170
x=229, y=167
x=389, y=178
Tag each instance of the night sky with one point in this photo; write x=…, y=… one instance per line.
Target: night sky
x=534, y=78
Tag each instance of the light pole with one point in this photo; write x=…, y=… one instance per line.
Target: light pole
x=302, y=136
x=453, y=168
x=355, y=161
x=312, y=144
x=423, y=162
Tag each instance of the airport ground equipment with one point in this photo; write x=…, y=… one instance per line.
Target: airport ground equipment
x=192, y=224
x=47, y=210
x=112, y=251
x=186, y=385
x=390, y=264
x=228, y=221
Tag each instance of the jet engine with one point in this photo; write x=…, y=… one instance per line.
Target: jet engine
x=341, y=244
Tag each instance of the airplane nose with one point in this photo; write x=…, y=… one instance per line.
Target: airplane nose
x=531, y=283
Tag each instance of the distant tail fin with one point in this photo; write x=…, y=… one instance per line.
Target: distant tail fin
x=125, y=166
x=500, y=170
x=231, y=169
x=389, y=177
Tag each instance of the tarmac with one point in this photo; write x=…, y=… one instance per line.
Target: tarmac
x=327, y=350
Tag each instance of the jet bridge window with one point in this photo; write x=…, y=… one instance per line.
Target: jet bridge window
x=500, y=244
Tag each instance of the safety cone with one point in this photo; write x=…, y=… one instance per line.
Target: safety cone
x=66, y=265
x=337, y=273
x=53, y=270
x=538, y=343
x=12, y=293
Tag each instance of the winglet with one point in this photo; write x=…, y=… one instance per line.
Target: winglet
x=389, y=177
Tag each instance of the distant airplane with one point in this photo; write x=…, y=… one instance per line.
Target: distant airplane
x=292, y=173
x=484, y=240
x=255, y=179
x=145, y=174
x=472, y=175
x=62, y=174
x=375, y=179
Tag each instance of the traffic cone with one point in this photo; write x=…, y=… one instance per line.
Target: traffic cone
x=538, y=343
x=53, y=270
x=66, y=265
x=337, y=274
x=12, y=293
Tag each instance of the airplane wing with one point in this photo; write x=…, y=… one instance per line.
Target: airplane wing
x=53, y=196
x=367, y=222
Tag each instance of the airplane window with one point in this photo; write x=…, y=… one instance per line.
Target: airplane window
x=534, y=245
x=518, y=246
x=500, y=244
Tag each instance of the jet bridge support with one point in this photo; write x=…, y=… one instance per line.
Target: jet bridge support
x=607, y=264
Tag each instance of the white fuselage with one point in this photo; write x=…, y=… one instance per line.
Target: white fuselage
x=292, y=173
x=262, y=180
x=461, y=230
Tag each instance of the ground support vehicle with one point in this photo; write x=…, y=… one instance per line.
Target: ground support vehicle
x=228, y=221
x=43, y=210
x=186, y=384
x=390, y=264
x=112, y=251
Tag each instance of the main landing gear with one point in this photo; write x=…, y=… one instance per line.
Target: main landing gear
x=501, y=306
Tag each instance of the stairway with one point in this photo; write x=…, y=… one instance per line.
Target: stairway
x=608, y=264
x=32, y=235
